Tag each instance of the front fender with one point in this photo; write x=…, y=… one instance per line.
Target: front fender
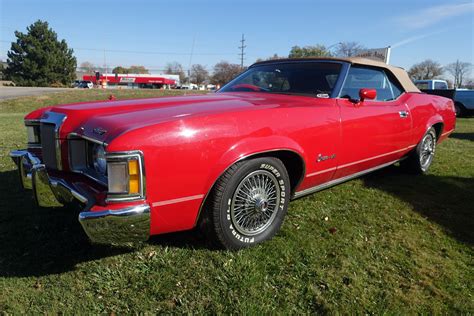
x=248, y=147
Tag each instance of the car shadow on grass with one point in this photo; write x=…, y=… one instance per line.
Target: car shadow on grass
x=41, y=241
x=190, y=239
x=463, y=136
x=447, y=201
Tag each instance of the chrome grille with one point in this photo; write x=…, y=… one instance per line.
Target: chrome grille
x=50, y=125
x=48, y=144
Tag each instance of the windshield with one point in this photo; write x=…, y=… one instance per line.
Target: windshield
x=306, y=78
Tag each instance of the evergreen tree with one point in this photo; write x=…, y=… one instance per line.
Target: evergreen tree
x=38, y=58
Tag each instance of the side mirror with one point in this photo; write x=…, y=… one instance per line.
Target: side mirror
x=367, y=94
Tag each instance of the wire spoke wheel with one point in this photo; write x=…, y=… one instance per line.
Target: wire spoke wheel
x=427, y=151
x=255, y=202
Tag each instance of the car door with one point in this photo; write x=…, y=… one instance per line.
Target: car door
x=374, y=132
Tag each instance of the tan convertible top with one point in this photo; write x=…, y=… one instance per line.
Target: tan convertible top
x=398, y=72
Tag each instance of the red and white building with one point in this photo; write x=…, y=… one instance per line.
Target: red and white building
x=135, y=80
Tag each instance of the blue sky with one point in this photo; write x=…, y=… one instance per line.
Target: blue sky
x=152, y=33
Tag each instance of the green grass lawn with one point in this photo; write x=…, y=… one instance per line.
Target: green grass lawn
x=398, y=244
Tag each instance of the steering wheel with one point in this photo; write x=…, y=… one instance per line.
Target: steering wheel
x=246, y=86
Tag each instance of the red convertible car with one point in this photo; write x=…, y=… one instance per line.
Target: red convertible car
x=230, y=161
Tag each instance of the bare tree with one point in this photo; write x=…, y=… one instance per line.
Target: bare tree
x=225, y=72
x=427, y=69
x=199, y=74
x=176, y=68
x=348, y=49
x=87, y=67
x=469, y=84
x=459, y=70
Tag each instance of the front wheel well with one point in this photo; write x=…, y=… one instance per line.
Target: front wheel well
x=293, y=162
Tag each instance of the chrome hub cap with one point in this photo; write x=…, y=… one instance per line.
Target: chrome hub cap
x=255, y=203
x=427, y=151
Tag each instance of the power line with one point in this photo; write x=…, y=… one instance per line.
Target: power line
x=142, y=52
x=242, y=51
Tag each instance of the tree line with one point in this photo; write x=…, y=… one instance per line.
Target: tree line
x=39, y=58
x=429, y=69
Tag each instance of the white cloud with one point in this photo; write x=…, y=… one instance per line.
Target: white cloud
x=433, y=15
x=415, y=38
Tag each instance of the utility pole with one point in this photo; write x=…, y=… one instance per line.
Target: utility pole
x=105, y=66
x=242, y=51
x=191, y=60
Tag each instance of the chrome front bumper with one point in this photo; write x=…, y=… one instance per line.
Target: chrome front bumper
x=128, y=224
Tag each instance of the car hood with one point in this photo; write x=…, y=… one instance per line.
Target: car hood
x=108, y=119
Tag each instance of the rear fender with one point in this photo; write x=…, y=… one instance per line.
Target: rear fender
x=435, y=119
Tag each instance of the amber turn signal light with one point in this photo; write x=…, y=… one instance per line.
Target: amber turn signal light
x=134, y=176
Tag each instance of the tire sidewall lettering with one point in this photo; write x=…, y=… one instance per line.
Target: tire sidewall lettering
x=252, y=239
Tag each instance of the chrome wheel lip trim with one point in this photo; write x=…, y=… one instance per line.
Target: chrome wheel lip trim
x=274, y=181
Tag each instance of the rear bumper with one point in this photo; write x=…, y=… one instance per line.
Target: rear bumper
x=114, y=225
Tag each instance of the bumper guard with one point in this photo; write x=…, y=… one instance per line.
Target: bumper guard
x=128, y=224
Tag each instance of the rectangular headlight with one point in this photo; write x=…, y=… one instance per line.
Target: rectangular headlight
x=33, y=132
x=118, y=177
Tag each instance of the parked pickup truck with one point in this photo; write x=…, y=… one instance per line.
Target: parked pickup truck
x=463, y=98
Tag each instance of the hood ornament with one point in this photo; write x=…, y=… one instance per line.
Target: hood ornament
x=99, y=131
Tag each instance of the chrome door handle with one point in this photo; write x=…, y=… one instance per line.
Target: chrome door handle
x=403, y=114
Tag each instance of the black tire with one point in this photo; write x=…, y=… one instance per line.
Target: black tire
x=459, y=109
x=421, y=158
x=235, y=224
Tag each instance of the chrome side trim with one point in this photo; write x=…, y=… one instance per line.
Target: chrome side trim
x=359, y=161
x=448, y=132
x=340, y=180
x=178, y=200
x=320, y=172
x=117, y=226
x=375, y=157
